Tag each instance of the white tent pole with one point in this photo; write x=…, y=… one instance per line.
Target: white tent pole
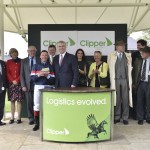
x=70, y=1
x=102, y=12
x=132, y=16
x=2, y=29
x=14, y=23
x=136, y=12
x=81, y=1
x=76, y=12
x=80, y=5
x=142, y=16
x=16, y=14
x=49, y=13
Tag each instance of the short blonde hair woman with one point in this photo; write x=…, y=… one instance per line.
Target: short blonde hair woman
x=98, y=70
x=15, y=92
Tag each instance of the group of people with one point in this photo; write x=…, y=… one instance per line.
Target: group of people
x=24, y=78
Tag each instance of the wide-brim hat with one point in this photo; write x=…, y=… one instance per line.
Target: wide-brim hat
x=120, y=42
x=146, y=49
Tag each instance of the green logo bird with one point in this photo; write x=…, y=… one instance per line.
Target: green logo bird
x=95, y=127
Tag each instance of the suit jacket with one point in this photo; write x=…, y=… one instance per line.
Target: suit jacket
x=26, y=71
x=136, y=73
x=67, y=74
x=3, y=65
x=135, y=55
x=13, y=70
x=112, y=58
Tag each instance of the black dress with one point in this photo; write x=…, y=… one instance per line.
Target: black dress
x=82, y=81
x=97, y=83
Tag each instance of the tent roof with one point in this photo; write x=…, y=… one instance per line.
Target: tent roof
x=19, y=13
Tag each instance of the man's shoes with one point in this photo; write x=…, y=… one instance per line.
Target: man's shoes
x=140, y=122
x=19, y=121
x=36, y=127
x=116, y=121
x=148, y=121
x=2, y=123
x=11, y=121
x=31, y=122
x=125, y=122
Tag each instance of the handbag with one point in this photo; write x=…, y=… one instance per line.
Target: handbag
x=105, y=81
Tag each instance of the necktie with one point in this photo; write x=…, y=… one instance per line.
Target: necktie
x=1, y=82
x=61, y=59
x=31, y=62
x=51, y=59
x=143, y=77
x=120, y=56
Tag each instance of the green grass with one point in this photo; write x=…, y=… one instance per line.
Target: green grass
x=7, y=104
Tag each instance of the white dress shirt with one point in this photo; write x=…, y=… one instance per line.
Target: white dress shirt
x=63, y=55
x=147, y=68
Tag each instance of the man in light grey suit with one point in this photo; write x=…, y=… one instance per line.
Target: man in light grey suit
x=120, y=66
x=27, y=86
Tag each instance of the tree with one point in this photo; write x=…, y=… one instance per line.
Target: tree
x=146, y=36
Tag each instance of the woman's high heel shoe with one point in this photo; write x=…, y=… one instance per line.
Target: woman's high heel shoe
x=11, y=121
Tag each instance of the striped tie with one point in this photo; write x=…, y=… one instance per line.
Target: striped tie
x=143, y=75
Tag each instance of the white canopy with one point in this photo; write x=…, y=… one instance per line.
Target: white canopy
x=132, y=44
x=19, y=13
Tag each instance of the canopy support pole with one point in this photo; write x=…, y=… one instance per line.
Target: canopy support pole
x=14, y=23
x=140, y=19
x=2, y=29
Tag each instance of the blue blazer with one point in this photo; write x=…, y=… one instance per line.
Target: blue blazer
x=67, y=74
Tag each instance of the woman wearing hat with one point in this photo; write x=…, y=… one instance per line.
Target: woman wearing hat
x=14, y=89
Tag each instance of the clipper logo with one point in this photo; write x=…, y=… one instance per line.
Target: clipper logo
x=94, y=44
x=58, y=132
x=70, y=42
x=86, y=43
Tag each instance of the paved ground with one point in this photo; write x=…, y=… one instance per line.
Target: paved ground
x=21, y=137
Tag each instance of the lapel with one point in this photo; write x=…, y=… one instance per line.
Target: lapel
x=3, y=69
x=139, y=69
x=57, y=61
x=64, y=60
x=114, y=59
x=27, y=64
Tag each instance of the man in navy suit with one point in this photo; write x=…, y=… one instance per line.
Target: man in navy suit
x=2, y=90
x=66, y=67
x=141, y=82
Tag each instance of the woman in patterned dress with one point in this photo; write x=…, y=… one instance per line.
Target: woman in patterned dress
x=15, y=92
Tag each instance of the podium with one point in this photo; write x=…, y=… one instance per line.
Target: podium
x=76, y=114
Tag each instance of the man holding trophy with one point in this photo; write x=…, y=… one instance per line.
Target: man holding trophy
x=42, y=75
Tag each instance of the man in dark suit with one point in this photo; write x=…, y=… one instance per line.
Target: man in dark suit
x=52, y=53
x=3, y=85
x=66, y=67
x=140, y=44
x=142, y=84
x=27, y=86
x=136, y=55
